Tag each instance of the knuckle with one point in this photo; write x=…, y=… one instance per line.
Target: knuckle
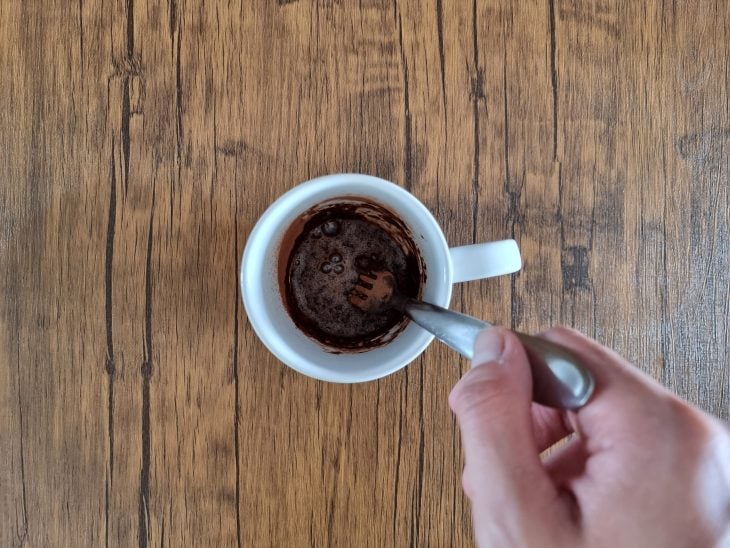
x=689, y=421
x=661, y=422
x=467, y=484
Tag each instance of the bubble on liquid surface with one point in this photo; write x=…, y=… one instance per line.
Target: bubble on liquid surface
x=326, y=268
x=316, y=233
x=336, y=258
x=338, y=269
x=331, y=228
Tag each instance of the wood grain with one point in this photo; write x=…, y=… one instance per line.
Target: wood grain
x=140, y=142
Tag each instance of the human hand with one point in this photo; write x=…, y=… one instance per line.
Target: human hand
x=644, y=468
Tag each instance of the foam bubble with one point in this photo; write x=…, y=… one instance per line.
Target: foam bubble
x=331, y=228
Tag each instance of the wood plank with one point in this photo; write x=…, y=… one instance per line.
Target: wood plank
x=141, y=141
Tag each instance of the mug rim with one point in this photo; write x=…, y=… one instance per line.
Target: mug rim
x=296, y=195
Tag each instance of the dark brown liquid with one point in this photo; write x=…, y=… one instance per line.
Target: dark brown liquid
x=334, y=247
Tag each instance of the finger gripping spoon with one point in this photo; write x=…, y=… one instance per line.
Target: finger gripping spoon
x=559, y=380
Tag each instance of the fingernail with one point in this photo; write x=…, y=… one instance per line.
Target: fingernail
x=488, y=347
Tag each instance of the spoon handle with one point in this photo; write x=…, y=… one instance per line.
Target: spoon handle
x=559, y=380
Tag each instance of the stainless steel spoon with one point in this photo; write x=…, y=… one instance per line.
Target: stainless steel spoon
x=559, y=380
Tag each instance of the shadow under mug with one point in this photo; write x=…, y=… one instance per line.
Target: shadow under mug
x=444, y=267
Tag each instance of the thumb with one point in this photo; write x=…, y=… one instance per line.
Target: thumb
x=492, y=404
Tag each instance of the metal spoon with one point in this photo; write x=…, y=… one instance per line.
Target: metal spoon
x=559, y=380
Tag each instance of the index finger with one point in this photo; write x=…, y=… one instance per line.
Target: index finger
x=623, y=394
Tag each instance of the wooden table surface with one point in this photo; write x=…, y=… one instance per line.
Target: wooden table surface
x=140, y=141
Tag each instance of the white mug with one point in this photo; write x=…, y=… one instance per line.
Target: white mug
x=444, y=266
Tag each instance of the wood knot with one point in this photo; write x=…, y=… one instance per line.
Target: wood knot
x=477, y=85
x=127, y=67
x=574, y=265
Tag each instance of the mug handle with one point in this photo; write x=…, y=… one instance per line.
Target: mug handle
x=477, y=261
